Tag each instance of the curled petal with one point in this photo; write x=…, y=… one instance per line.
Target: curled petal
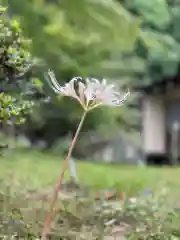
x=54, y=84
x=94, y=80
x=77, y=78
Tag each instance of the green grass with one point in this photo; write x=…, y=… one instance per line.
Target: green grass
x=158, y=212
x=38, y=169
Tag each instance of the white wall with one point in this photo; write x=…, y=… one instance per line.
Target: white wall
x=154, y=134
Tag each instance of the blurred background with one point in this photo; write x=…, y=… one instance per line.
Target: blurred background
x=132, y=43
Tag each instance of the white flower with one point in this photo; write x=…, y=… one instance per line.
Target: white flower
x=103, y=93
x=90, y=94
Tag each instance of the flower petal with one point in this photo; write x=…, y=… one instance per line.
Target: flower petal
x=55, y=85
x=81, y=90
x=89, y=94
x=94, y=80
x=123, y=99
x=71, y=89
x=104, y=82
x=114, y=100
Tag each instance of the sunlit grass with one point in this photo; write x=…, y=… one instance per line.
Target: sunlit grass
x=41, y=169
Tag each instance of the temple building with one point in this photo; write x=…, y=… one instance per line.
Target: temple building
x=161, y=122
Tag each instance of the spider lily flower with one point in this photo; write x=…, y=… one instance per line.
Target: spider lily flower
x=90, y=94
x=102, y=93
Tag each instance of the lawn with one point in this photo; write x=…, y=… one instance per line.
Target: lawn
x=154, y=215
x=39, y=169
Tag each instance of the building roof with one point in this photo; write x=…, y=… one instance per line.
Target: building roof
x=160, y=85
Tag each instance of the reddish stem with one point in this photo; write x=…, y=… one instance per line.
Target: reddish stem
x=48, y=221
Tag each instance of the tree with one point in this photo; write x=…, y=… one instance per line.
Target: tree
x=74, y=39
x=160, y=21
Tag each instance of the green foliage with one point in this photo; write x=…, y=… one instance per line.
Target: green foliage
x=14, y=57
x=15, y=60
x=161, y=55
x=158, y=17
x=73, y=38
x=13, y=110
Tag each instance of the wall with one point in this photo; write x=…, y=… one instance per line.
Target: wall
x=153, y=122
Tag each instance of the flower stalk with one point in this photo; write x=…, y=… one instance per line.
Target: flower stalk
x=48, y=221
x=90, y=95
